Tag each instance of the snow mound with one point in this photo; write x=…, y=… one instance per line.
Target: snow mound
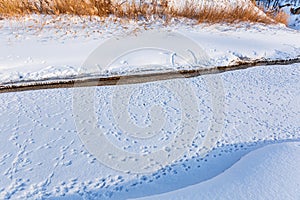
x=266, y=173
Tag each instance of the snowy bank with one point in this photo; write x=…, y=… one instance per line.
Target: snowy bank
x=62, y=45
x=267, y=173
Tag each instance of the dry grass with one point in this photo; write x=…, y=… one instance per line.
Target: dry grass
x=55, y=7
x=158, y=9
x=279, y=16
x=274, y=12
x=216, y=14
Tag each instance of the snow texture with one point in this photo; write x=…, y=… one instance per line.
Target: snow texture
x=41, y=155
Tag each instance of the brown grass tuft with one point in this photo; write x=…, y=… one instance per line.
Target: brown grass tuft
x=275, y=13
x=281, y=17
x=278, y=16
x=206, y=12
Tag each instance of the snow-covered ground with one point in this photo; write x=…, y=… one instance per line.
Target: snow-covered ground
x=247, y=121
x=274, y=167
x=42, y=155
x=61, y=46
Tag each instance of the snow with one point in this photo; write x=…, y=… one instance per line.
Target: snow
x=267, y=173
x=42, y=155
x=245, y=140
x=63, y=45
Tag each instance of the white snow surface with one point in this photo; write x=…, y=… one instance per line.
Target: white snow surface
x=267, y=173
x=42, y=156
x=38, y=48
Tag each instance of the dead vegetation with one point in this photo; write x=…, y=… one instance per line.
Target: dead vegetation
x=216, y=14
x=208, y=13
x=278, y=16
x=273, y=9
